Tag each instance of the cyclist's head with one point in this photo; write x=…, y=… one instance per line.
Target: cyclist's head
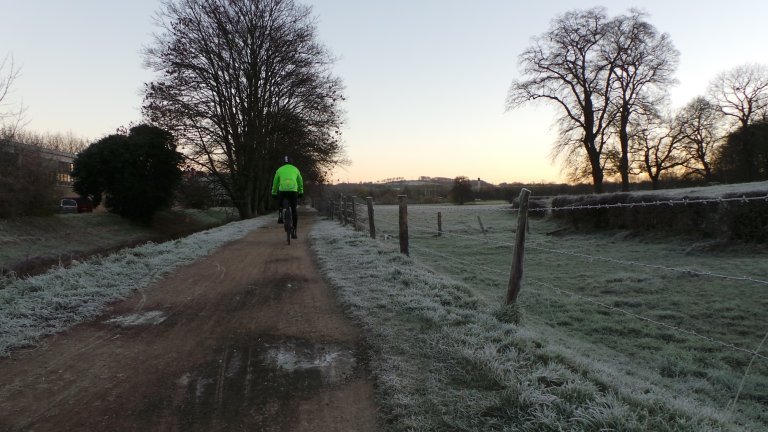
x=287, y=159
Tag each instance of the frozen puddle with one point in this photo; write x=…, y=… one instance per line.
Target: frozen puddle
x=144, y=318
x=333, y=362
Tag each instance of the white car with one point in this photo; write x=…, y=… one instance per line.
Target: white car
x=67, y=205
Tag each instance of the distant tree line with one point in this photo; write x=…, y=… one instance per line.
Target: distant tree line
x=609, y=78
x=64, y=142
x=462, y=190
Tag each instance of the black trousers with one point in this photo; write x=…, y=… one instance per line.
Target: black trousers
x=293, y=201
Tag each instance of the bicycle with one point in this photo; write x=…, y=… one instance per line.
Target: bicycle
x=287, y=220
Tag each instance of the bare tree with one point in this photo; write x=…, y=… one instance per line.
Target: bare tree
x=12, y=116
x=656, y=142
x=701, y=126
x=63, y=142
x=462, y=190
x=565, y=67
x=244, y=81
x=644, y=61
x=742, y=93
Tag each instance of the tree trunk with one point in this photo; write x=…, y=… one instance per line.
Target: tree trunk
x=597, y=181
x=624, y=161
x=597, y=170
x=589, y=145
x=244, y=208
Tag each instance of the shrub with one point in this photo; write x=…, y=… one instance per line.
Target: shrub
x=137, y=173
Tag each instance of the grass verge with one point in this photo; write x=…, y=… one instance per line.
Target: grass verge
x=31, y=245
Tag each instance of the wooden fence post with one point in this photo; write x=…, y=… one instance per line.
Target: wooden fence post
x=330, y=209
x=482, y=228
x=403, y=224
x=516, y=274
x=354, y=212
x=344, y=210
x=371, y=226
x=439, y=224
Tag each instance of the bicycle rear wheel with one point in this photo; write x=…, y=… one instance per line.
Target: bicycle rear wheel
x=287, y=221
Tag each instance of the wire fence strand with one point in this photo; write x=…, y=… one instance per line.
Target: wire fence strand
x=671, y=202
x=687, y=271
x=604, y=305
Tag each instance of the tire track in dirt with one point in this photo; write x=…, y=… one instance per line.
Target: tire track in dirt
x=249, y=338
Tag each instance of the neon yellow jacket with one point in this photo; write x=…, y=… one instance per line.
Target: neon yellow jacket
x=287, y=179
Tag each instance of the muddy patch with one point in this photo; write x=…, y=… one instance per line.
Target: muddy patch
x=276, y=289
x=334, y=363
x=138, y=319
x=262, y=379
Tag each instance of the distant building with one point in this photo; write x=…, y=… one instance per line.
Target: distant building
x=58, y=163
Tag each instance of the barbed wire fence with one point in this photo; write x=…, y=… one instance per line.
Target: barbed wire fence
x=362, y=215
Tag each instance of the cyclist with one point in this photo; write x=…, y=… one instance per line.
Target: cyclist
x=288, y=185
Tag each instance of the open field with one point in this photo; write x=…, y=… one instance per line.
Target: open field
x=641, y=314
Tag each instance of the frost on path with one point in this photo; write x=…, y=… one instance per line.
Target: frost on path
x=138, y=319
x=52, y=302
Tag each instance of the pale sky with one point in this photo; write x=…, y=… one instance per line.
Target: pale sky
x=425, y=79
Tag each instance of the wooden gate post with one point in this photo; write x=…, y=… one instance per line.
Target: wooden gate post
x=439, y=224
x=403, y=216
x=516, y=274
x=354, y=212
x=371, y=226
x=330, y=209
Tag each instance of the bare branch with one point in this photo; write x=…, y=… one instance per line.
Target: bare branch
x=742, y=93
x=12, y=116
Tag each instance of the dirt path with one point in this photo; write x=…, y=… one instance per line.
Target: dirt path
x=249, y=338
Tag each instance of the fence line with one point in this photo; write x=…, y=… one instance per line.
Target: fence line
x=671, y=202
x=606, y=259
x=660, y=203
x=687, y=271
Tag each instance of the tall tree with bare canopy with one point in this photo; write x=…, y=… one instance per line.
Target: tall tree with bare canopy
x=644, y=61
x=564, y=66
x=243, y=82
x=598, y=71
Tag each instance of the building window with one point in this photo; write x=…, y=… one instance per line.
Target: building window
x=64, y=174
